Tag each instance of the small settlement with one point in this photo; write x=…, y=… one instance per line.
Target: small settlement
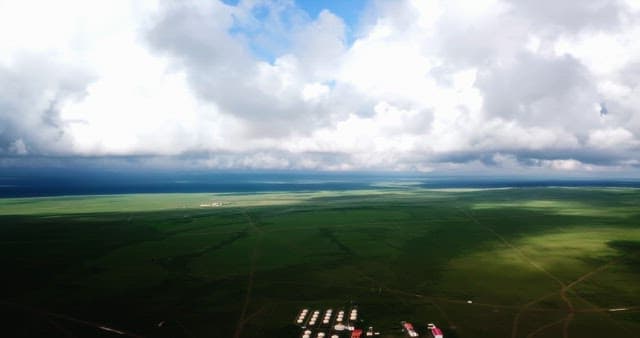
x=213, y=204
x=344, y=323
x=339, y=323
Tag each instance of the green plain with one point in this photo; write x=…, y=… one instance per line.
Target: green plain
x=480, y=263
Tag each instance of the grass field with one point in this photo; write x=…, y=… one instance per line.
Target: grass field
x=534, y=262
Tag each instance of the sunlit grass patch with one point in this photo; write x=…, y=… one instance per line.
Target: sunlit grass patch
x=560, y=207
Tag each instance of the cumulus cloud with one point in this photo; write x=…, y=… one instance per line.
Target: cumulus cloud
x=33, y=90
x=421, y=85
x=568, y=164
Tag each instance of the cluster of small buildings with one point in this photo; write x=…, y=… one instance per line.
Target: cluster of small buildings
x=211, y=205
x=344, y=323
x=341, y=323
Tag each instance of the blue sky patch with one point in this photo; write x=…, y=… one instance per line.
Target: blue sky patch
x=349, y=11
x=269, y=40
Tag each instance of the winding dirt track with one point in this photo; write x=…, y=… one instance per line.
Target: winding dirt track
x=544, y=327
x=247, y=299
x=48, y=314
x=516, y=321
x=564, y=288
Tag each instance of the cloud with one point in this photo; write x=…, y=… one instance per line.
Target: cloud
x=612, y=138
x=422, y=85
x=18, y=147
x=566, y=165
x=270, y=97
x=572, y=15
x=33, y=90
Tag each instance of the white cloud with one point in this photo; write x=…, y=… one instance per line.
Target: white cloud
x=611, y=138
x=565, y=165
x=424, y=85
x=314, y=91
x=18, y=147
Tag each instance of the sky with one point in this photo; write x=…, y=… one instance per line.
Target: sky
x=508, y=86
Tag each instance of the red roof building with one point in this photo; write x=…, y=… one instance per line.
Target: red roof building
x=436, y=332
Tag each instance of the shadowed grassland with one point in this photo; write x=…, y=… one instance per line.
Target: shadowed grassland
x=534, y=262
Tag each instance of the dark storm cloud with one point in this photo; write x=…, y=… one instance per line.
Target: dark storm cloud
x=533, y=157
